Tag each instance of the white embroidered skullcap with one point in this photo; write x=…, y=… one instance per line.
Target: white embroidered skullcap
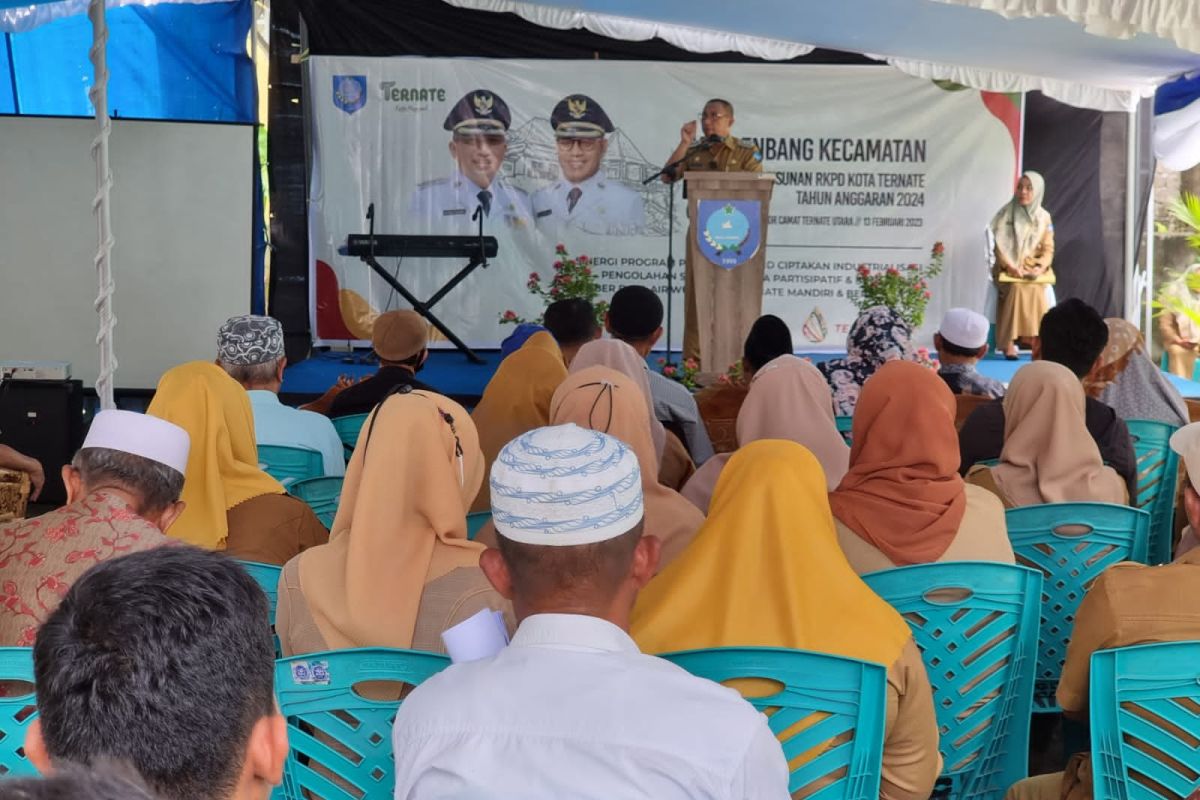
x=141, y=435
x=966, y=328
x=565, y=485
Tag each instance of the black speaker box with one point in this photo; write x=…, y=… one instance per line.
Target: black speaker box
x=43, y=420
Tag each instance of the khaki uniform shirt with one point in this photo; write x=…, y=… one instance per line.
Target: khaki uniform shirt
x=272, y=528
x=731, y=155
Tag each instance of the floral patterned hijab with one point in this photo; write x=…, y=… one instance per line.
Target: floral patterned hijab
x=878, y=336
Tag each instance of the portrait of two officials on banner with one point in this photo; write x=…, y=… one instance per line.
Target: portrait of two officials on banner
x=583, y=199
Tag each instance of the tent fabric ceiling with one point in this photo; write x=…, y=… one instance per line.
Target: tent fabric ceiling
x=927, y=38
x=1173, y=20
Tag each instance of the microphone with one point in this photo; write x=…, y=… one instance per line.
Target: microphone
x=712, y=138
x=371, y=227
x=371, y=212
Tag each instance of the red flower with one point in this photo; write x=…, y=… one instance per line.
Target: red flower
x=862, y=270
x=662, y=361
x=555, y=292
x=913, y=267
x=892, y=271
x=533, y=276
x=669, y=371
x=558, y=265
x=587, y=273
x=582, y=259
x=938, y=248
x=510, y=315
x=928, y=295
x=560, y=248
x=723, y=379
x=691, y=363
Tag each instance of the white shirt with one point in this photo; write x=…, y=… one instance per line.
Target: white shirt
x=277, y=424
x=572, y=709
x=603, y=207
x=446, y=205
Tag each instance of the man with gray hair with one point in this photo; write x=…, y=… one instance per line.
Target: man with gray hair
x=572, y=708
x=123, y=489
x=250, y=349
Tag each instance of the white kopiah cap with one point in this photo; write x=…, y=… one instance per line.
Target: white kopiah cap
x=965, y=328
x=1186, y=442
x=565, y=485
x=141, y=435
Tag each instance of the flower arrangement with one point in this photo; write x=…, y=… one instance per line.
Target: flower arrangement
x=572, y=278
x=734, y=376
x=926, y=360
x=905, y=290
x=684, y=373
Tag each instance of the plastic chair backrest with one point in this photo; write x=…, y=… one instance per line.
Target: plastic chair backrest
x=845, y=425
x=267, y=577
x=348, y=428
x=322, y=495
x=340, y=742
x=976, y=624
x=475, y=522
x=290, y=464
x=1045, y=537
x=1157, y=469
x=840, y=704
x=1144, y=714
x=16, y=712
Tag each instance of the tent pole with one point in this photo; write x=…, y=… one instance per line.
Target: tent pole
x=1148, y=298
x=1130, y=311
x=12, y=72
x=98, y=94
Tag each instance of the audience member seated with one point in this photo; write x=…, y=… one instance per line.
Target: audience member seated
x=675, y=465
x=399, y=338
x=720, y=403
x=398, y=569
x=1047, y=456
x=163, y=660
x=766, y=571
x=1126, y=380
x=123, y=490
x=789, y=400
x=1128, y=604
x=1072, y=334
x=516, y=400
x=573, y=324
x=635, y=317
x=105, y=781
x=960, y=342
x=520, y=335
x=571, y=708
x=878, y=336
x=250, y=349
x=902, y=501
x=231, y=504
x=15, y=460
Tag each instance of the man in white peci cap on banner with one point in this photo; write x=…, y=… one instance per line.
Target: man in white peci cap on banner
x=960, y=342
x=123, y=490
x=572, y=708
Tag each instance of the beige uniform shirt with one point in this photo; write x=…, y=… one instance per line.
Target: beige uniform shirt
x=272, y=528
x=730, y=155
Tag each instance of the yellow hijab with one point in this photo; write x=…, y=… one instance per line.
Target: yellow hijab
x=766, y=570
x=517, y=400
x=222, y=467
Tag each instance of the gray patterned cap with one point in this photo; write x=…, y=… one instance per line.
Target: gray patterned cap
x=250, y=339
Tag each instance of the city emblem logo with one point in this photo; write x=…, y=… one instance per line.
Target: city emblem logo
x=349, y=92
x=730, y=231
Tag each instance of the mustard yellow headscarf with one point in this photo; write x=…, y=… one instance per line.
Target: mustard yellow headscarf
x=766, y=570
x=222, y=468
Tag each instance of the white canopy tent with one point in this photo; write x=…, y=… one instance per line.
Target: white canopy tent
x=1106, y=55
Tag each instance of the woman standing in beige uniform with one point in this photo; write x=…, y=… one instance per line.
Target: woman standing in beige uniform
x=1024, y=263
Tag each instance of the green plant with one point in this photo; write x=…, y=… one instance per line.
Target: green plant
x=684, y=373
x=906, y=291
x=572, y=278
x=1186, y=210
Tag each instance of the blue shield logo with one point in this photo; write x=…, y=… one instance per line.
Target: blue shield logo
x=729, y=232
x=349, y=92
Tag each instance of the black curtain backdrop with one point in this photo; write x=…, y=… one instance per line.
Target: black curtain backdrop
x=1064, y=143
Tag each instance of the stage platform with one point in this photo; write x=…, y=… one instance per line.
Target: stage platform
x=453, y=375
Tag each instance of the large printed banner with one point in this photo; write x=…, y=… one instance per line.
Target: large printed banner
x=873, y=167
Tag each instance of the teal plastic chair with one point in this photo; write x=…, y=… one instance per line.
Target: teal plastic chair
x=845, y=426
x=335, y=732
x=976, y=624
x=267, y=577
x=1070, y=544
x=290, y=464
x=846, y=698
x=348, y=428
x=1144, y=714
x=475, y=522
x=1157, y=469
x=322, y=495
x=16, y=664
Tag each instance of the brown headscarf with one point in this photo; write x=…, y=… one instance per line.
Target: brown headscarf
x=401, y=522
x=516, y=400
x=605, y=400
x=1048, y=455
x=903, y=493
x=619, y=356
x=788, y=399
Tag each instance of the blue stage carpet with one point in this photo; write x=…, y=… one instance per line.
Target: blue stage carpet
x=453, y=375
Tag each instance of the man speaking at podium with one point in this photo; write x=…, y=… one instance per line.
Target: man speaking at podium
x=718, y=151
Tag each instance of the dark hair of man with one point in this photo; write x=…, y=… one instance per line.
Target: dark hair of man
x=958, y=350
x=163, y=659
x=545, y=572
x=153, y=484
x=634, y=313
x=252, y=374
x=728, y=105
x=571, y=321
x=72, y=782
x=1073, y=334
x=769, y=338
